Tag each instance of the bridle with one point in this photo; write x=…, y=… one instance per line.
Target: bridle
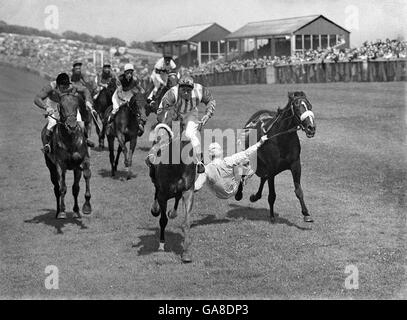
x=66, y=116
x=299, y=119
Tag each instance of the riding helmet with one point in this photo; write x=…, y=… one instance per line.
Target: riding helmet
x=186, y=81
x=63, y=79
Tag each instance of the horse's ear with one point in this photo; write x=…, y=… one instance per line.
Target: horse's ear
x=279, y=110
x=291, y=95
x=302, y=94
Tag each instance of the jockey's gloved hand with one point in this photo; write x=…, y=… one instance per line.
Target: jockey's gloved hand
x=263, y=139
x=49, y=110
x=204, y=119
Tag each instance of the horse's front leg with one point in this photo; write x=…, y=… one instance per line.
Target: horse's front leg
x=163, y=222
x=87, y=208
x=172, y=214
x=271, y=197
x=296, y=173
x=129, y=158
x=62, y=192
x=121, y=148
x=188, y=200
x=110, y=140
x=256, y=196
x=77, y=173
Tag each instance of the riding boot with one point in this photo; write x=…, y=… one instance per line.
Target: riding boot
x=85, y=133
x=47, y=142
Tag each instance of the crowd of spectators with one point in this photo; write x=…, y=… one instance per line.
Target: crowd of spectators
x=377, y=50
x=52, y=56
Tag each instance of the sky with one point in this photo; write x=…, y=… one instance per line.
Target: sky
x=143, y=20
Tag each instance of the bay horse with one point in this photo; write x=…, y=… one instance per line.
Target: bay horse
x=282, y=151
x=171, y=82
x=69, y=151
x=102, y=102
x=125, y=127
x=173, y=178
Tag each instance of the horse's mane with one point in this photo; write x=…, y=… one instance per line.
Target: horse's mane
x=255, y=117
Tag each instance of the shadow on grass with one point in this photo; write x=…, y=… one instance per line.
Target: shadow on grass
x=48, y=218
x=144, y=148
x=149, y=243
x=259, y=214
x=120, y=174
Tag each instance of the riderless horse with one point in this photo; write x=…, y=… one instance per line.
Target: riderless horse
x=282, y=151
x=171, y=82
x=125, y=127
x=69, y=151
x=173, y=176
x=101, y=103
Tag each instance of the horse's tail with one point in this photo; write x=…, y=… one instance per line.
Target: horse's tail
x=165, y=127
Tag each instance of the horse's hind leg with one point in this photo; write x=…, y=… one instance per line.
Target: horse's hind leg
x=87, y=208
x=271, y=197
x=188, y=200
x=256, y=196
x=116, y=161
x=296, y=173
x=172, y=214
x=163, y=223
x=77, y=174
x=129, y=161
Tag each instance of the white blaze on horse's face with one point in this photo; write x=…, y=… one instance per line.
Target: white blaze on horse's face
x=307, y=120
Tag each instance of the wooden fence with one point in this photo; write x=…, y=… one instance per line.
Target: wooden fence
x=356, y=71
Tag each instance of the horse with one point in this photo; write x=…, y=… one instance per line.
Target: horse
x=172, y=178
x=125, y=127
x=101, y=103
x=171, y=82
x=69, y=151
x=282, y=151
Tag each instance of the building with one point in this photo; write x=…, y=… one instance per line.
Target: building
x=285, y=37
x=195, y=44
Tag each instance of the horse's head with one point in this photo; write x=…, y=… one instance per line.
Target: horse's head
x=302, y=110
x=68, y=110
x=172, y=80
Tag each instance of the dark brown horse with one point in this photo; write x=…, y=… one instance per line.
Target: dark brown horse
x=125, y=127
x=101, y=104
x=173, y=175
x=171, y=82
x=282, y=151
x=69, y=151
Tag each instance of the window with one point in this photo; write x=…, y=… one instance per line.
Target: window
x=214, y=47
x=204, y=47
x=315, y=41
x=298, y=42
x=307, y=42
x=332, y=40
x=324, y=41
x=222, y=47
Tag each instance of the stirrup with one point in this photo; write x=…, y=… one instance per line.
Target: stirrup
x=46, y=148
x=200, y=167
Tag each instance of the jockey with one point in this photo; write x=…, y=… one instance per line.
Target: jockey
x=127, y=85
x=105, y=78
x=48, y=100
x=221, y=174
x=185, y=97
x=159, y=76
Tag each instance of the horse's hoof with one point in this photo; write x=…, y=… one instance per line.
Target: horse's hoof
x=155, y=209
x=61, y=215
x=253, y=198
x=77, y=215
x=308, y=219
x=172, y=214
x=87, y=209
x=161, y=246
x=186, y=257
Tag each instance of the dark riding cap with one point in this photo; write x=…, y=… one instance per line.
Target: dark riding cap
x=63, y=79
x=167, y=56
x=186, y=81
x=77, y=63
x=107, y=65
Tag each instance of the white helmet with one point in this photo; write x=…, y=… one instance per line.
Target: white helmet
x=128, y=67
x=215, y=150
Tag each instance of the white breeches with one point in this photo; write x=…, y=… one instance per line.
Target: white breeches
x=117, y=102
x=52, y=121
